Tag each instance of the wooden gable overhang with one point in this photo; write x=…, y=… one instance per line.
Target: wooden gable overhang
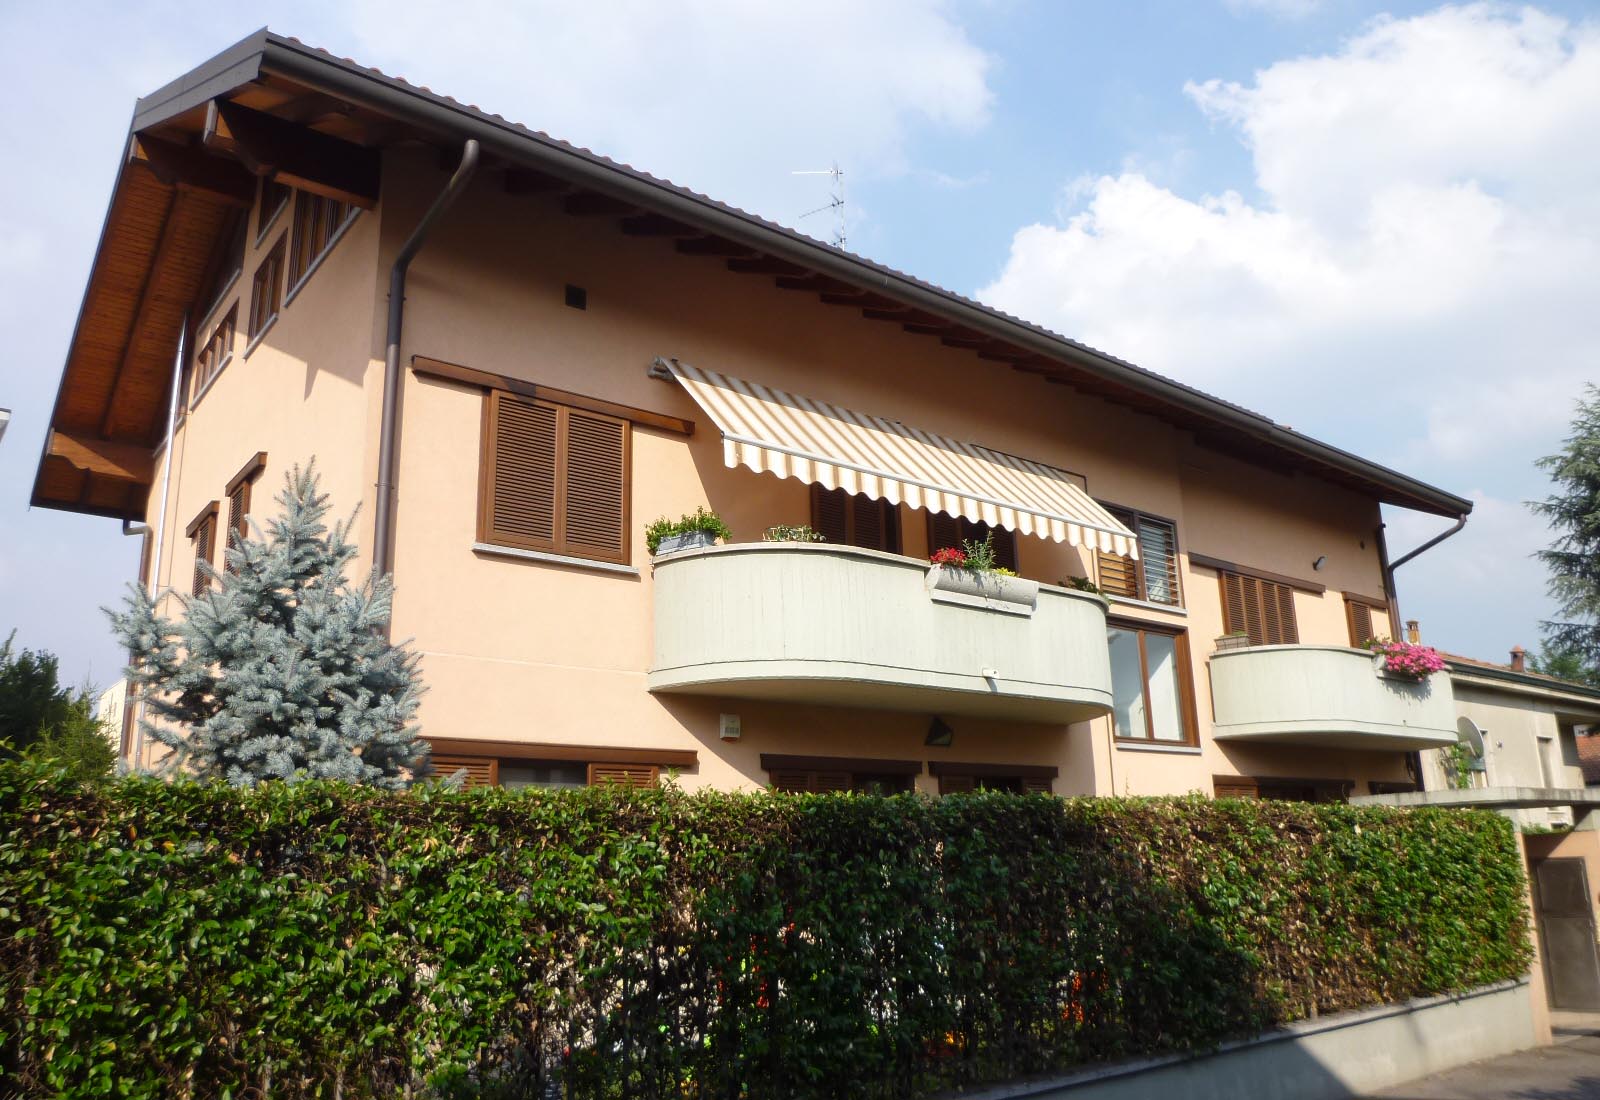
x=271, y=107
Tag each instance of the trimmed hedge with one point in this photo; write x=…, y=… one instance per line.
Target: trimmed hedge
x=186, y=940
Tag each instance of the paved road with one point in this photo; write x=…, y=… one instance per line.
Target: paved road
x=1568, y=1070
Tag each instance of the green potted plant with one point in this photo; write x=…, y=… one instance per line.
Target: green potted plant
x=784, y=532
x=970, y=573
x=696, y=530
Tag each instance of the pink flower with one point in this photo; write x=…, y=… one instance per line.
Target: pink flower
x=1408, y=661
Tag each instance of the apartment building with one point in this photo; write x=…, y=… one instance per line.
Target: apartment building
x=584, y=348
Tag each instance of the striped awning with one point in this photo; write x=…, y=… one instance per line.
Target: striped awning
x=772, y=431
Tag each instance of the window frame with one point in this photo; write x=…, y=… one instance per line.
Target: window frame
x=1132, y=519
x=270, y=269
x=846, y=773
x=203, y=528
x=1188, y=712
x=212, y=358
x=309, y=210
x=593, y=758
x=489, y=465
x=238, y=492
x=266, y=219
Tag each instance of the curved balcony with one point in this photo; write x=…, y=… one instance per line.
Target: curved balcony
x=1327, y=696
x=848, y=627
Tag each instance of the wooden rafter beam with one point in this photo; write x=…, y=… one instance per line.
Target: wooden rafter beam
x=293, y=154
x=191, y=169
x=169, y=224
x=766, y=265
x=103, y=458
x=922, y=329
x=713, y=246
x=592, y=202
x=310, y=107
x=819, y=284
x=657, y=225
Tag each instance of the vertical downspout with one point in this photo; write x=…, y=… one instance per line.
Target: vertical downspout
x=1388, y=570
x=382, y=542
x=161, y=517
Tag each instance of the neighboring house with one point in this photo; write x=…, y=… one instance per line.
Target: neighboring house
x=585, y=348
x=111, y=708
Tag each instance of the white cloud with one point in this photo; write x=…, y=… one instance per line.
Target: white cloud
x=727, y=96
x=1413, y=275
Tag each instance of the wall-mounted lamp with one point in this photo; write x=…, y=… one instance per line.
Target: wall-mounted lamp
x=939, y=734
x=1320, y=562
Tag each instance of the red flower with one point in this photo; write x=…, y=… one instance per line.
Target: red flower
x=949, y=555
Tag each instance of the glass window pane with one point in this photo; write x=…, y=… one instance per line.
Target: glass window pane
x=1156, y=554
x=1165, y=706
x=1127, y=684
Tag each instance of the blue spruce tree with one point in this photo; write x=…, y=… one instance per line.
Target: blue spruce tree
x=281, y=669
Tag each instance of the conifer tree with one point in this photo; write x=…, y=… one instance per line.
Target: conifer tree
x=281, y=669
x=1574, y=558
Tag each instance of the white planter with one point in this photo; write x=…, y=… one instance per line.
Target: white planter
x=1227, y=643
x=1013, y=594
x=689, y=540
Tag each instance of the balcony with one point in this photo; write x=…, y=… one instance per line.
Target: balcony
x=840, y=626
x=1326, y=696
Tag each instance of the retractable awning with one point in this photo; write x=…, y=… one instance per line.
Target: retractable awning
x=773, y=431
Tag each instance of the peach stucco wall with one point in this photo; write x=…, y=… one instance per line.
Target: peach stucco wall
x=522, y=650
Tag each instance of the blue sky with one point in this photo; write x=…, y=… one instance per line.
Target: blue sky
x=1378, y=223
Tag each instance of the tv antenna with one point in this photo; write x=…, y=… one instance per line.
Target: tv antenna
x=835, y=200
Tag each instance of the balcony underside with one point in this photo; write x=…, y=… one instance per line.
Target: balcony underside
x=839, y=626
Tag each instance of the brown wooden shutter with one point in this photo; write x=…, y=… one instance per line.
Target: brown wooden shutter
x=238, y=507
x=943, y=531
x=795, y=781
x=1235, y=787
x=521, y=472
x=956, y=784
x=629, y=775
x=482, y=771
x=831, y=781
x=1261, y=608
x=871, y=526
x=205, y=538
x=1119, y=574
x=1039, y=784
x=595, y=498
x=829, y=514
x=1359, y=616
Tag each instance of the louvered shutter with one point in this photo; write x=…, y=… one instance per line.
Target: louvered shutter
x=205, y=540
x=956, y=784
x=596, y=463
x=1262, y=609
x=829, y=514
x=869, y=523
x=1239, y=787
x=831, y=781
x=629, y=775
x=238, y=507
x=1359, y=615
x=521, y=470
x=1036, y=784
x=1119, y=575
x=943, y=531
x=482, y=771
x=791, y=781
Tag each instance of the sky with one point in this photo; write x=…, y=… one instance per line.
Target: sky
x=1379, y=223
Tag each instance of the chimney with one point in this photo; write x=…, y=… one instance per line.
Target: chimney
x=1519, y=659
x=1413, y=632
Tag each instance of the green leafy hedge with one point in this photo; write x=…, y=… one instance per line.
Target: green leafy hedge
x=186, y=940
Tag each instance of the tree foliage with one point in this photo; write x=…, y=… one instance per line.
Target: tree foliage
x=42, y=719
x=281, y=669
x=1574, y=558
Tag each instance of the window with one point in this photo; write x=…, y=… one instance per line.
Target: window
x=238, y=493
x=839, y=773
x=202, y=532
x=1152, y=695
x=1153, y=577
x=945, y=530
x=317, y=222
x=857, y=520
x=1282, y=790
x=555, y=478
x=519, y=774
x=1261, y=608
x=955, y=778
x=266, y=289
x=274, y=196
x=215, y=354
x=1367, y=619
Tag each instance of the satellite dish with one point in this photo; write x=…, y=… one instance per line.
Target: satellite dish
x=1468, y=733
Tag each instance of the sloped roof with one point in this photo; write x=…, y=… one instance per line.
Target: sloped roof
x=273, y=73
